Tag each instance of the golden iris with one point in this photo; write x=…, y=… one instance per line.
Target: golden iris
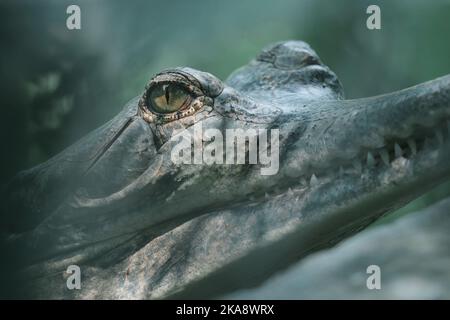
x=168, y=98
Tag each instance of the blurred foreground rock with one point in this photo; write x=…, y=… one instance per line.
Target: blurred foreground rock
x=413, y=254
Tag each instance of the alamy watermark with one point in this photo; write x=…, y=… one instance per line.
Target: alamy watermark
x=374, y=20
x=74, y=279
x=374, y=280
x=239, y=146
x=73, y=21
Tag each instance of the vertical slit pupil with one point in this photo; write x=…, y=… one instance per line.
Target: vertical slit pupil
x=166, y=93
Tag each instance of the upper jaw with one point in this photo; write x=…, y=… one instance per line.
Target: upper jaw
x=328, y=139
x=356, y=160
x=371, y=131
x=391, y=148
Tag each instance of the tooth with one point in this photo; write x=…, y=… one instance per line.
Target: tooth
x=384, y=156
x=290, y=192
x=266, y=195
x=357, y=165
x=439, y=136
x=313, y=180
x=370, y=159
x=412, y=145
x=397, y=150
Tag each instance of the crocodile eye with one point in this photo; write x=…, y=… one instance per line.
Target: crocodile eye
x=168, y=98
x=171, y=96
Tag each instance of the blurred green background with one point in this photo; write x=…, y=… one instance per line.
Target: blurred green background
x=58, y=84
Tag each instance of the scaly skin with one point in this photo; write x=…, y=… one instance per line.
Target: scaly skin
x=141, y=226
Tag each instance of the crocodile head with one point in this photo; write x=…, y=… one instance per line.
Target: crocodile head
x=271, y=151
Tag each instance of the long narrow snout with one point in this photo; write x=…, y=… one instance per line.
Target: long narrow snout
x=373, y=130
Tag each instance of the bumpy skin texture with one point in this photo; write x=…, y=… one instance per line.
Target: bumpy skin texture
x=141, y=226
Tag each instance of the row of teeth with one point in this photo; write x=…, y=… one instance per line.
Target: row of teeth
x=410, y=148
x=373, y=158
